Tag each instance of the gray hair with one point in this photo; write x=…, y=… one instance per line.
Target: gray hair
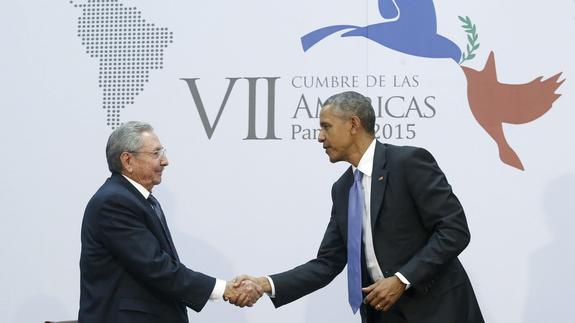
x=125, y=138
x=350, y=104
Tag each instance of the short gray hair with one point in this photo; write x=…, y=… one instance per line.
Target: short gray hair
x=351, y=103
x=125, y=138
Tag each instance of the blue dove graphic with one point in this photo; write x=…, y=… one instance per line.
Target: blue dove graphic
x=409, y=26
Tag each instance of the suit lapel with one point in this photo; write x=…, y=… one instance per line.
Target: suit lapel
x=166, y=231
x=378, y=182
x=348, y=179
x=149, y=211
x=145, y=203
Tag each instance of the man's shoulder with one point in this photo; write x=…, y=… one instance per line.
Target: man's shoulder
x=398, y=154
x=113, y=188
x=396, y=149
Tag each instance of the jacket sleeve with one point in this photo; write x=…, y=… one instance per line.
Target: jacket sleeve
x=315, y=274
x=441, y=214
x=125, y=234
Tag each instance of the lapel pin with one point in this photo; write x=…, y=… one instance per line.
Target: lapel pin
x=381, y=178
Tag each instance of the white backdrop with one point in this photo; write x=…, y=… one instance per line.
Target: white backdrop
x=239, y=205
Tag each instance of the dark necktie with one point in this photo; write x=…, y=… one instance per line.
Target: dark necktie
x=354, y=221
x=160, y=214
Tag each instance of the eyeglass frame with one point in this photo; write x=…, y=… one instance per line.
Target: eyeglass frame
x=160, y=153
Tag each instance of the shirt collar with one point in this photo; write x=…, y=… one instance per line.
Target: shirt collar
x=365, y=164
x=139, y=187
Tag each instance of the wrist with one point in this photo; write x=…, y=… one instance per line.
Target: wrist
x=228, y=292
x=264, y=283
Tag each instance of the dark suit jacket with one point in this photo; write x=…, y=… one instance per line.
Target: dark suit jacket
x=128, y=271
x=418, y=227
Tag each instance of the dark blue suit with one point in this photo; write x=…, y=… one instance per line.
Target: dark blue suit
x=129, y=272
x=419, y=229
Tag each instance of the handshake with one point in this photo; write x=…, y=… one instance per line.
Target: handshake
x=246, y=290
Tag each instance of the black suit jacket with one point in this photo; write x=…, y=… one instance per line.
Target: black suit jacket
x=128, y=271
x=419, y=229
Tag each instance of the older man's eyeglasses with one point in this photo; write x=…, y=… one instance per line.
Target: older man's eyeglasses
x=160, y=153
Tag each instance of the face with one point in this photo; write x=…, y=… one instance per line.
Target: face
x=146, y=165
x=335, y=134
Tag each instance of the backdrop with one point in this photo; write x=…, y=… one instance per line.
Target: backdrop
x=233, y=88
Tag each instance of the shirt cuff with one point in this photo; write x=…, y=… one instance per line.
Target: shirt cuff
x=403, y=280
x=273, y=293
x=219, y=290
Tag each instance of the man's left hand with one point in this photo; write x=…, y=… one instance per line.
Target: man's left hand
x=382, y=294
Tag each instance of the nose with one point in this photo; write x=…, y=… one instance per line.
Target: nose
x=321, y=137
x=164, y=161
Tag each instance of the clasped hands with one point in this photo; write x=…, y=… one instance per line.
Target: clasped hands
x=245, y=290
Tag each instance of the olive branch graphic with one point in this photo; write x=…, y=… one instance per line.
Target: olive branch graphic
x=472, y=38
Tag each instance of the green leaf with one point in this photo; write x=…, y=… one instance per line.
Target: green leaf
x=472, y=38
x=466, y=21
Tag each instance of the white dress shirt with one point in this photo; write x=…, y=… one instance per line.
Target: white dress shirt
x=365, y=166
x=220, y=287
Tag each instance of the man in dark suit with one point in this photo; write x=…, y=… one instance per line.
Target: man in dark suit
x=129, y=268
x=395, y=222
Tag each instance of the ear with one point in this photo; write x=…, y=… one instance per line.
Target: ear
x=126, y=159
x=356, y=125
